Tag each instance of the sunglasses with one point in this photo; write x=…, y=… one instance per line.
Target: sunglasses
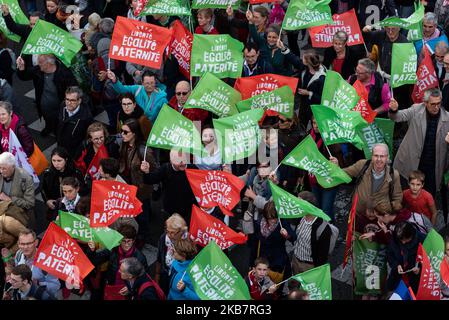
x=125, y=132
x=182, y=93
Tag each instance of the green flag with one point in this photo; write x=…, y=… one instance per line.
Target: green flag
x=339, y=126
x=379, y=131
x=306, y=156
x=17, y=15
x=434, y=246
x=370, y=266
x=48, y=38
x=338, y=93
x=238, y=135
x=217, y=54
x=219, y=4
x=403, y=64
x=405, y=23
x=280, y=100
x=166, y=8
x=172, y=130
x=415, y=32
x=302, y=14
x=78, y=227
x=317, y=282
x=214, y=95
x=214, y=277
x=290, y=207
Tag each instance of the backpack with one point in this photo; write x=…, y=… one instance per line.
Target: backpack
x=151, y=283
x=359, y=178
x=13, y=57
x=420, y=222
x=334, y=234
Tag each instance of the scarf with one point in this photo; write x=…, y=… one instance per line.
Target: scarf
x=267, y=229
x=71, y=204
x=123, y=255
x=5, y=131
x=169, y=258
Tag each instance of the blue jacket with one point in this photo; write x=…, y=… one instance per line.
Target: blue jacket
x=177, y=270
x=150, y=105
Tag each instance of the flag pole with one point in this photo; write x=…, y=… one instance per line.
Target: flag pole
x=280, y=223
x=145, y=152
x=183, y=275
x=277, y=167
x=364, y=44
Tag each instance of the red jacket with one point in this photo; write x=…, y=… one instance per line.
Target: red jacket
x=192, y=114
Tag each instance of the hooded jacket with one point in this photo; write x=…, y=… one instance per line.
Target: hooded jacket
x=176, y=273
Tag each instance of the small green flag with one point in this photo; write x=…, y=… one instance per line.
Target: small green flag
x=306, y=156
x=17, y=15
x=415, y=32
x=48, y=38
x=78, y=227
x=290, y=207
x=370, y=266
x=403, y=64
x=238, y=135
x=280, y=100
x=172, y=130
x=317, y=282
x=217, y=54
x=166, y=8
x=434, y=246
x=338, y=93
x=214, y=95
x=405, y=23
x=219, y=4
x=302, y=14
x=339, y=126
x=214, y=277
x=379, y=131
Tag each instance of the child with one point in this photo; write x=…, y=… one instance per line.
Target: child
x=204, y=17
x=418, y=200
x=70, y=188
x=261, y=287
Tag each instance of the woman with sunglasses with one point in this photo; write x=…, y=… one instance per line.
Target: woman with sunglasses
x=130, y=110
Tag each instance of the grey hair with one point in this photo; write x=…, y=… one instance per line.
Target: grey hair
x=74, y=89
x=434, y=92
x=442, y=45
x=430, y=17
x=383, y=145
x=106, y=25
x=8, y=159
x=341, y=36
x=49, y=58
x=133, y=266
x=368, y=64
x=7, y=106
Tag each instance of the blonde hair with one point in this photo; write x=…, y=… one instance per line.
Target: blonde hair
x=176, y=221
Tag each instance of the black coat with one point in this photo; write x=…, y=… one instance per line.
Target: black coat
x=352, y=56
x=50, y=182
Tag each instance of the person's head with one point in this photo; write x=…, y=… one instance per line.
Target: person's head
x=261, y=268
x=182, y=92
x=392, y=33
x=109, y=168
x=429, y=24
x=260, y=15
x=179, y=159
x=441, y=48
x=269, y=211
x=404, y=231
x=273, y=34
x=365, y=69
x=73, y=97
x=34, y=16
x=339, y=41
x=379, y=156
x=446, y=62
x=134, y=4
x=128, y=102
x=47, y=63
x=106, y=25
x=416, y=181
x=5, y=113
x=311, y=59
x=83, y=206
x=131, y=132
x=315, y=125
x=208, y=135
x=70, y=187
x=21, y=276
x=184, y=249
x=264, y=169
x=7, y=164
x=97, y=134
x=251, y=53
x=175, y=226
x=384, y=213
x=149, y=81
x=205, y=17
x=432, y=101
x=27, y=242
x=129, y=236
x=52, y=6
x=369, y=211
x=310, y=198
x=94, y=21
x=130, y=269
x=59, y=158
x=298, y=294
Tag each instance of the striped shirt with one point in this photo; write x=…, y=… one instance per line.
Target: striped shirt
x=303, y=244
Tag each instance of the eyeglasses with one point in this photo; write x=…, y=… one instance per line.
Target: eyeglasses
x=127, y=104
x=26, y=244
x=98, y=139
x=125, y=132
x=127, y=241
x=71, y=100
x=182, y=93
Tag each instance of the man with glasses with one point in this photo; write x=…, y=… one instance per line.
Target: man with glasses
x=74, y=119
x=182, y=93
x=441, y=49
x=445, y=86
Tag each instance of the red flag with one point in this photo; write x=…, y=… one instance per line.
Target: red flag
x=363, y=106
x=204, y=227
x=94, y=165
x=181, y=46
x=429, y=288
x=139, y=42
x=215, y=188
x=111, y=200
x=61, y=256
x=347, y=21
x=427, y=77
x=260, y=1
x=140, y=5
x=444, y=271
x=251, y=86
x=351, y=221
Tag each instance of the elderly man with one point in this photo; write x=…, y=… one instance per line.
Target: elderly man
x=430, y=27
x=425, y=144
x=182, y=93
x=139, y=286
x=441, y=49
